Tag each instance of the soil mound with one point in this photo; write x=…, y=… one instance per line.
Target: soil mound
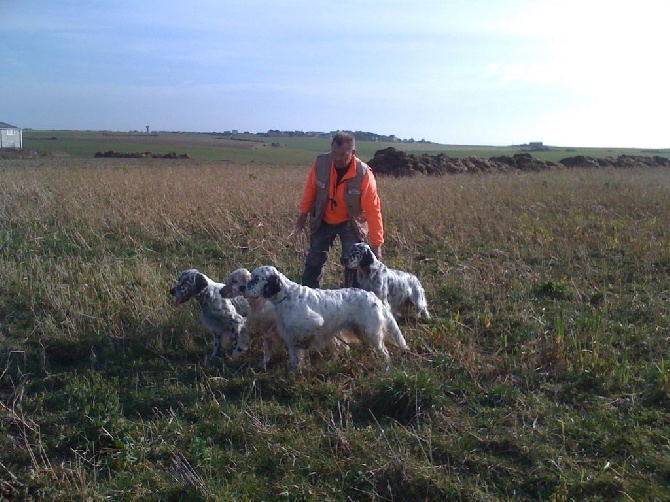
x=392, y=162
x=110, y=154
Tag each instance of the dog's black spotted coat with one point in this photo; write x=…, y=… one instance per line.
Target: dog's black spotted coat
x=218, y=314
x=310, y=318
x=394, y=287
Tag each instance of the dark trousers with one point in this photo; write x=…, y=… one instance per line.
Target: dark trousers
x=320, y=243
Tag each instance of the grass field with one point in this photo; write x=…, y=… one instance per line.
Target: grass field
x=253, y=149
x=544, y=374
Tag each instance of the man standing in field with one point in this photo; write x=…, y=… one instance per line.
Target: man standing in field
x=341, y=199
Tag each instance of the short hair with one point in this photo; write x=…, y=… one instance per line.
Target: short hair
x=343, y=138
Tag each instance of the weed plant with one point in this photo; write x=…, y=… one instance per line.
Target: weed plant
x=543, y=375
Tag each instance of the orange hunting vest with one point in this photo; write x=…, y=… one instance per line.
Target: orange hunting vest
x=352, y=195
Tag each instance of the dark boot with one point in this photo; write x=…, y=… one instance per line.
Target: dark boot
x=311, y=277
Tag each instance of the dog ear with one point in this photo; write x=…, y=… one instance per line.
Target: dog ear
x=368, y=258
x=272, y=286
x=200, y=282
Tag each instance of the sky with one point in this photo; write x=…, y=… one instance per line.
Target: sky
x=460, y=72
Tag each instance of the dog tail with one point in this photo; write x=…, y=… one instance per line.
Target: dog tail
x=391, y=328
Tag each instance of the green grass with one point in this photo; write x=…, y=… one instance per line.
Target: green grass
x=544, y=374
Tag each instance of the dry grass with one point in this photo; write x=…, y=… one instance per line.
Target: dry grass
x=544, y=374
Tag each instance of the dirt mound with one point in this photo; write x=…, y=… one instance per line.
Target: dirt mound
x=392, y=162
x=620, y=161
x=110, y=154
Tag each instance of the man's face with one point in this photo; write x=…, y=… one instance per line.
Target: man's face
x=342, y=155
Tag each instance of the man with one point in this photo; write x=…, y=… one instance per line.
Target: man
x=341, y=199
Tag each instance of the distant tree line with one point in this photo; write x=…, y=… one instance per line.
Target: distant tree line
x=359, y=135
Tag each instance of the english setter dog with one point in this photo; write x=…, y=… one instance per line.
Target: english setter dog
x=261, y=317
x=312, y=318
x=396, y=288
x=220, y=315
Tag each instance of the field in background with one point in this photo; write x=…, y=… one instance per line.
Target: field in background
x=253, y=149
x=544, y=374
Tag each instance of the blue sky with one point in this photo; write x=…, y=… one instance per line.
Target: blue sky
x=471, y=72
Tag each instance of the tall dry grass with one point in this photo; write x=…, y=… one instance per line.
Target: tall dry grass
x=546, y=289
x=95, y=244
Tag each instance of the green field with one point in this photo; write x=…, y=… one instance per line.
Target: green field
x=254, y=149
x=544, y=373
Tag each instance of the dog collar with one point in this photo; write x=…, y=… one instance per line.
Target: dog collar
x=285, y=297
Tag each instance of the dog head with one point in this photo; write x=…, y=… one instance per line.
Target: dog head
x=188, y=284
x=359, y=256
x=264, y=281
x=234, y=283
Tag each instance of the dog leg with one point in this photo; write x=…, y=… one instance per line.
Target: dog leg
x=266, y=352
x=382, y=351
x=294, y=357
x=235, y=339
x=271, y=344
x=391, y=328
x=216, y=343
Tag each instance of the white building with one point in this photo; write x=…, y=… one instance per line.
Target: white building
x=10, y=136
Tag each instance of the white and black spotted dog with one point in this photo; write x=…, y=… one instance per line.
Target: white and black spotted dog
x=310, y=318
x=223, y=317
x=396, y=288
x=261, y=319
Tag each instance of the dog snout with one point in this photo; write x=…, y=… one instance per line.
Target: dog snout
x=343, y=261
x=242, y=288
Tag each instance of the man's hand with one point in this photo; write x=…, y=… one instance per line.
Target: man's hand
x=300, y=222
x=377, y=250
